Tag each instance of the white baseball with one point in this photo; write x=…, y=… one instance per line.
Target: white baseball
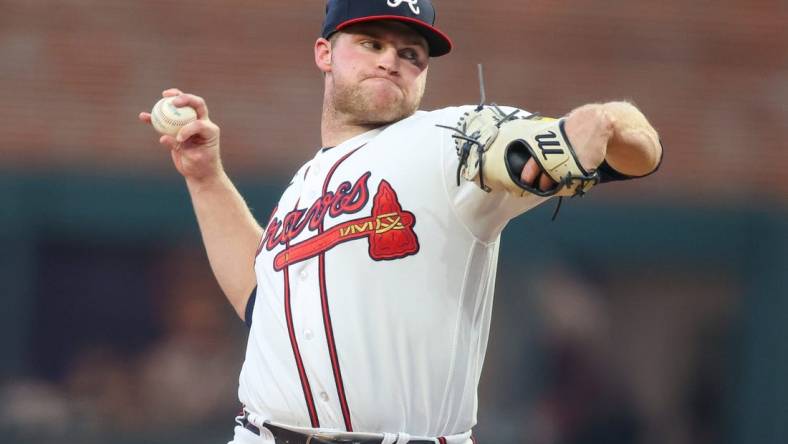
x=169, y=119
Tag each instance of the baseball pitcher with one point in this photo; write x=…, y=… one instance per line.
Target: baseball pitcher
x=369, y=289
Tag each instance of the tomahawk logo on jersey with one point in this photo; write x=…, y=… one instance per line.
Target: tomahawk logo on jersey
x=389, y=229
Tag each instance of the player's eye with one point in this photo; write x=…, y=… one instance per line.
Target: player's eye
x=372, y=44
x=411, y=55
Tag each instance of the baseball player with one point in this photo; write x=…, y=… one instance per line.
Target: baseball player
x=369, y=290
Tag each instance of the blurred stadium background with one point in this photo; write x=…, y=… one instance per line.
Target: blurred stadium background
x=651, y=312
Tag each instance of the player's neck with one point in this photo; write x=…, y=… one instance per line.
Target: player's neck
x=336, y=128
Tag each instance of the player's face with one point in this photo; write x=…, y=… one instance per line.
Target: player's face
x=378, y=72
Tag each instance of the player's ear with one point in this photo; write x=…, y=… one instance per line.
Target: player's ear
x=323, y=55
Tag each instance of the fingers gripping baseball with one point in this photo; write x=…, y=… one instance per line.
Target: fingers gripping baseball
x=194, y=147
x=146, y=117
x=198, y=132
x=198, y=103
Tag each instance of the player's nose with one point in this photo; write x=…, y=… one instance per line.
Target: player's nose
x=388, y=60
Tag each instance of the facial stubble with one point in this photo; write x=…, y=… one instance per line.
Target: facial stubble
x=359, y=103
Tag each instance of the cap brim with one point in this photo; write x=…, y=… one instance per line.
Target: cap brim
x=439, y=43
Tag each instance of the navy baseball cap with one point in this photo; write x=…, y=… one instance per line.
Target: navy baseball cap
x=418, y=14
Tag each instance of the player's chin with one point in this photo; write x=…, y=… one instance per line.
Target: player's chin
x=386, y=105
x=388, y=113
x=385, y=94
x=382, y=107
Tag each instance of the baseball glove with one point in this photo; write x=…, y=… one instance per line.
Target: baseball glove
x=494, y=146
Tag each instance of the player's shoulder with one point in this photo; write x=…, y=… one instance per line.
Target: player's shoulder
x=429, y=119
x=451, y=115
x=423, y=124
x=440, y=115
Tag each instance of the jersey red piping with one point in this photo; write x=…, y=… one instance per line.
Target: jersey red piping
x=305, y=386
x=332, y=348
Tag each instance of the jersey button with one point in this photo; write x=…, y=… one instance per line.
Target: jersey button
x=308, y=334
x=303, y=275
x=324, y=396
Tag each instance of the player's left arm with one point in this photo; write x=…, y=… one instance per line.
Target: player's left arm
x=614, y=138
x=634, y=148
x=517, y=161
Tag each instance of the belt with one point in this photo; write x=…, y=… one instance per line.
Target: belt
x=287, y=436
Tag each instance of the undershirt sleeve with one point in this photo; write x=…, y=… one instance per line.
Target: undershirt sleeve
x=608, y=174
x=250, y=308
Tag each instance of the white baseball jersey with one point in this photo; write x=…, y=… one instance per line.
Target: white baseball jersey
x=375, y=283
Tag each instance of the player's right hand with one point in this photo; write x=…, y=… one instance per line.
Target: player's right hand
x=195, y=149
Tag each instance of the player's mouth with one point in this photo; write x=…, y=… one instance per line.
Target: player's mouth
x=383, y=78
x=385, y=83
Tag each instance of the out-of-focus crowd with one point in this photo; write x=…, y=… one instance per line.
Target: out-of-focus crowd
x=187, y=376
x=580, y=355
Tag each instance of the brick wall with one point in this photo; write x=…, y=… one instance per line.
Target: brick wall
x=712, y=77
